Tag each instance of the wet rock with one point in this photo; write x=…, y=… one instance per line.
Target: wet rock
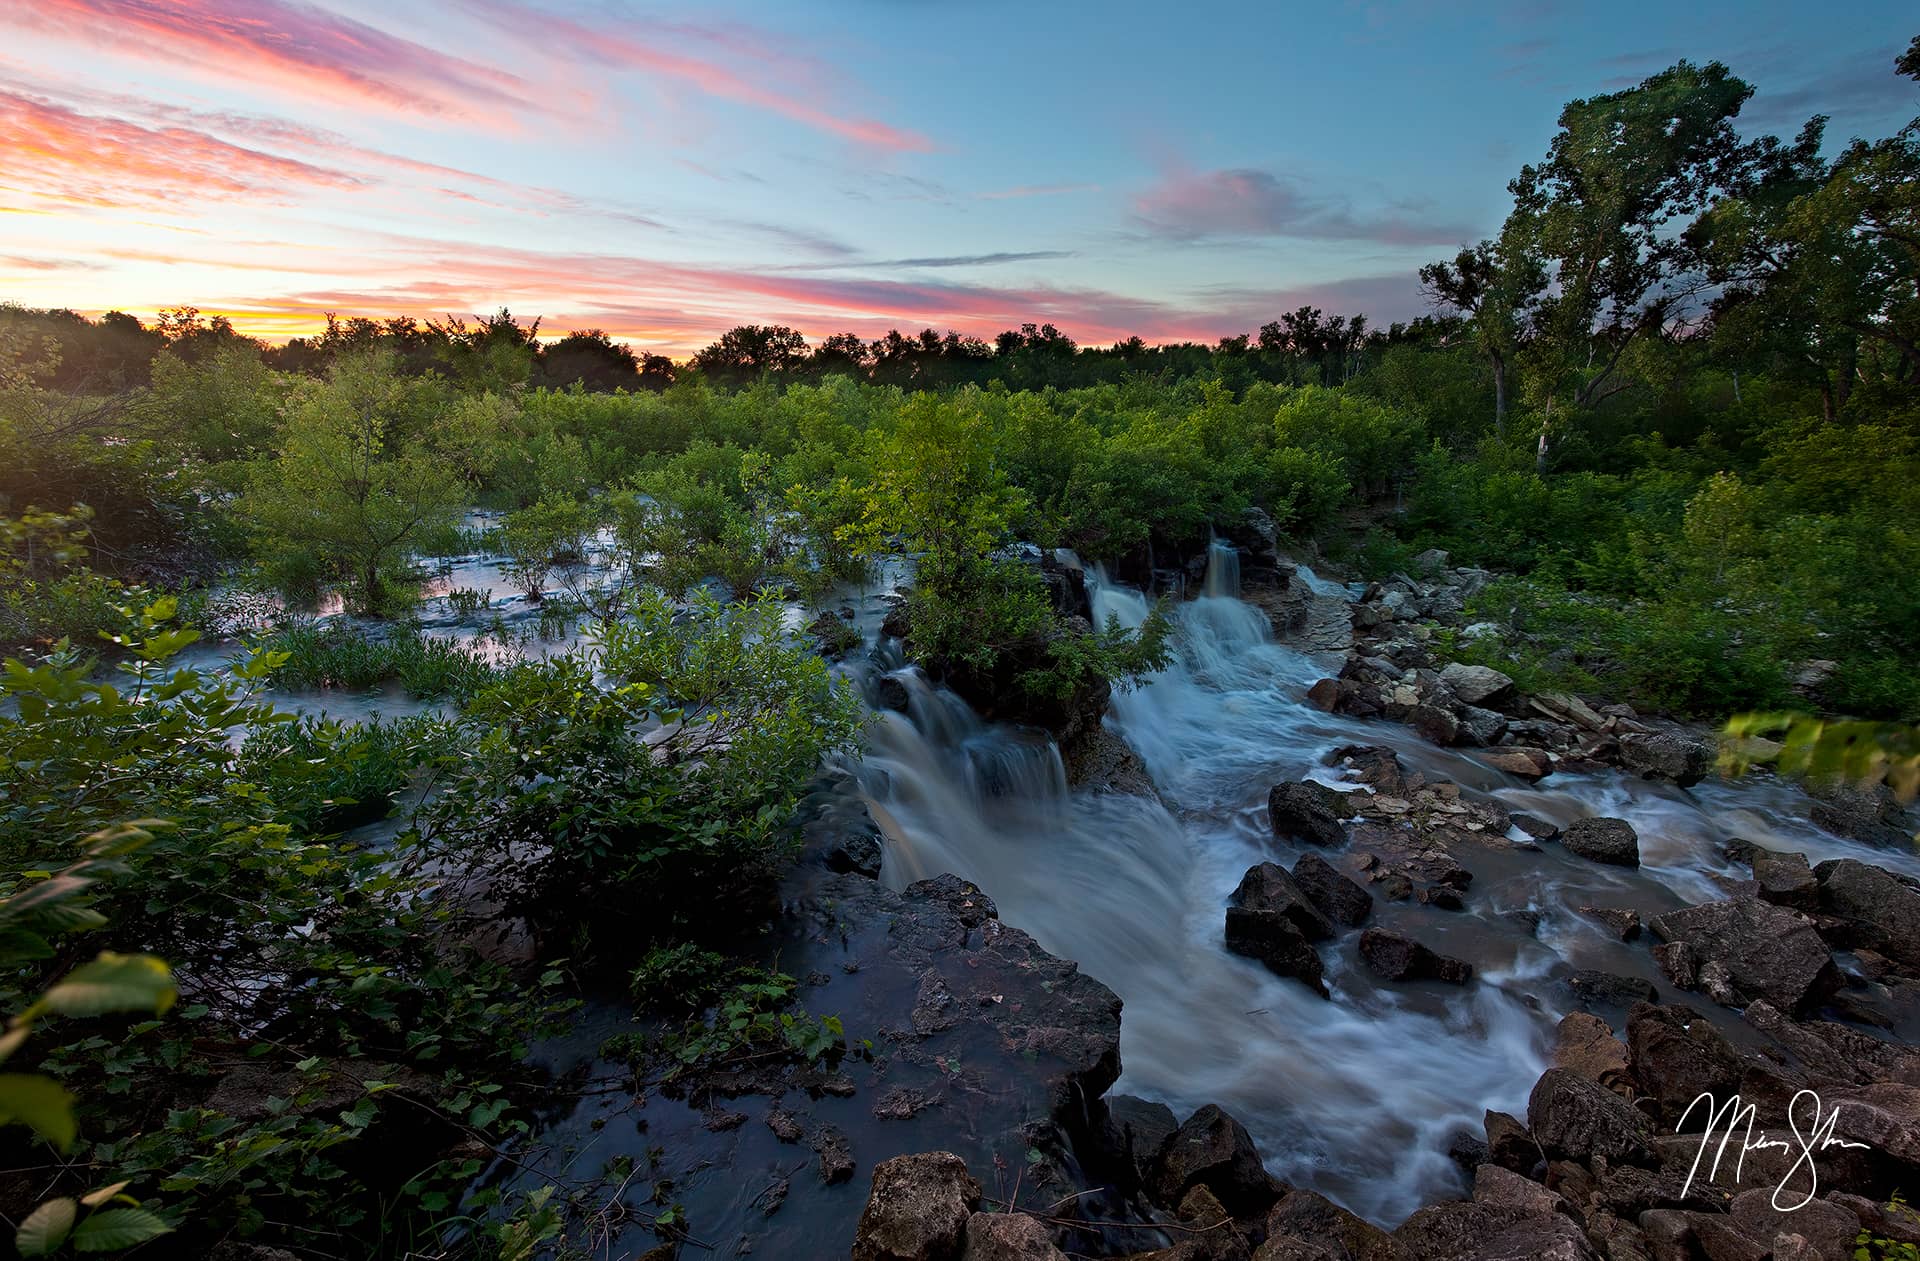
x=1417, y=855
x=1786, y=880
x=1007, y=1237
x=1325, y=695
x=1401, y=958
x=1623, y=924
x=1268, y=891
x=1510, y=1145
x=917, y=1210
x=1435, y=723
x=1307, y=811
x=1678, y=964
x=1897, y=1222
x=1442, y=897
x=1503, y=1188
x=785, y=1125
x=1835, y=1050
x=1102, y=761
x=1141, y=1131
x=1521, y=762
x=1585, y=1044
x=1764, y=951
x=1676, y=1054
x=1829, y=1228
x=1215, y=1151
x=1341, y=900
x=1603, y=840
x=1477, y=685
x=1526, y=919
x=1293, y=1248
x=1376, y=766
x=1455, y=1231
x=1885, y=910
x=1551, y=1238
x=835, y=1155
x=1572, y=1117
x=1537, y=828
x=1681, y=757
x=1309, y=1216
x=1565, y=707
x=964, y=898
x=1481, y=727
x=855, y=847
x=1467, y=1150
x=1610, y=988
x=1864, y=813
x=1278, y=943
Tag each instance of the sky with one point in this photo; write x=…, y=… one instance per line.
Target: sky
x=1119, y=168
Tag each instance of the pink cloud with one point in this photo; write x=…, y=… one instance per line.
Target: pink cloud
x=1244, y=202
x=284, y=44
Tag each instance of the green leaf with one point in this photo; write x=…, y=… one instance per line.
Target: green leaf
x=46, y=1228
x=40, y=1103
x=113, y=1229
x=112, y=982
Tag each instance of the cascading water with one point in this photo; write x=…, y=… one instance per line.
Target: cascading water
x=1356, y=1097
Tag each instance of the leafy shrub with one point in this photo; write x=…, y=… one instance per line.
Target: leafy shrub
x=344, y=656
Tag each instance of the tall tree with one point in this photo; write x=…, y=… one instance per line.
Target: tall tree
x=1495, y=289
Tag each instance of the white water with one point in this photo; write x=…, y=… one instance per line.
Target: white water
x=1356, y=1097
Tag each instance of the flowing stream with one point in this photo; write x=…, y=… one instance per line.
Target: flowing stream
x=1356, y=1097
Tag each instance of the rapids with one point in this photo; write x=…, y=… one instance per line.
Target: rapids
x=1358, y=1097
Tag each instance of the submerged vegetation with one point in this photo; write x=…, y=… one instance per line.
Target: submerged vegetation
x=1691, y=454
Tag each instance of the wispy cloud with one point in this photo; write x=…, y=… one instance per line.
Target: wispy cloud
x=290, y=47
x=1037, y=190
x=1245, y=202
x=610, y=46
x=62, y=156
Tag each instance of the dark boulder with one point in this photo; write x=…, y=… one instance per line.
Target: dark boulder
x=1341, y=900
x=1138, y=1132
x=1400, y=958
x=1764, y=951
x=1678, y=756
x=1884, y=909
x=1510, y=1146
x=1868, y=813
x=1577, y=1119
x=1267, y=890
x=1268, y=926
x=1313, y=1217
x=1603, y=840
x=1676, y=1055
x=1215, y=1151
x=1610, y=989
x=1008, y=1237
x=1454, y=1231
x=1786, y=880
x=1307, y=811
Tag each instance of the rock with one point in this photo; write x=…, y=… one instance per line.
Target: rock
x=1510, y=1146
x=1886, y=910
x=1325, y=695
x=1435, y=723
x=1603, y=840
x=1863, y=813
x=835, y=1155
x=1481, y=727
x=1310, y=1216
x=1102, y=761
x=1678, y=756
x=1215, y=1151
x=964, y=898
x=1585, y=1044
x=1838, y=1051
x=1676, y=1055
x=1376, y=766
x=1537, y=828
x=1268, y=891
x=1568, y=708
x=918, y=1209
x=1786, y=880
x=1828, y=1227
x=1142, y=1129
x=1521, y=762
x=1276, y=941
x=1008, y=1237
x=1455, y=1231
x=1550, y=1238
x=1467, y=1150
x=1884, y=1221
x=1307, y=811
x=1339, y=899
x=1678, y=963
x=1610, y=988
x=1293, y=1248
x=1400, y=958
x=1400, y=849
x=1477, y=685
x=1577, y=1119
x=891, y=693
x=1622, y=923
x=1764, y=950
x=1506, y=1189
x=1442, y=897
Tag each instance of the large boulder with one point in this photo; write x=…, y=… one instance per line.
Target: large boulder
x=1509, y=1145
x=1765, y=951
x=1271, y=919
x=1477, y=685
x=1454, y=1231
x=1676, y=1055
x=1573, y=1118
x=1585, y=1044
x=1138, y=1131
x=1828, y=1228
x=1312, y=1217
x=1603, y=840
x=917, y=1210
x=1341, y=900
x=1786, y=880
x=1215, y=1151
x=1884, y=909
x=1863, y=812
x=1400, y=958
x=1307, y=811
x=1682, y=757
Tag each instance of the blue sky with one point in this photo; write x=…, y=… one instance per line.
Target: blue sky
x=1175, y=171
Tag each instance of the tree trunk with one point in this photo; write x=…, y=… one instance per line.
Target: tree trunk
x=1546, y=426
x=1499, y=394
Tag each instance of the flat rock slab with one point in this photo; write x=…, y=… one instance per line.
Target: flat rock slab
x=1766, y=951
